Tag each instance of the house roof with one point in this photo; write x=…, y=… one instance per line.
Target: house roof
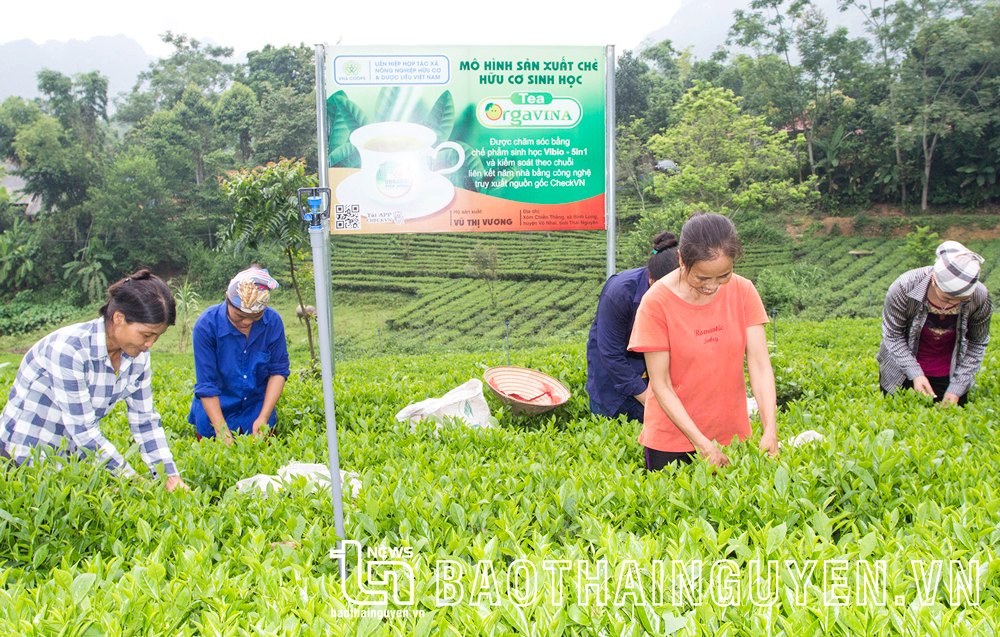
x=15, y=188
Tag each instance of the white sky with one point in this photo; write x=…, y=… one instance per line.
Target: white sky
x=249, y=25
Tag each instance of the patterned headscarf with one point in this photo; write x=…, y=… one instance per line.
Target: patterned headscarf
x=250, y=290
x=956, y=270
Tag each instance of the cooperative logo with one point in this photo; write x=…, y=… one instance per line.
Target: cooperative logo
x=351, y=67
x=529, y=110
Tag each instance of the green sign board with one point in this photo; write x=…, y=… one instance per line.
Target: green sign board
x=472, y=138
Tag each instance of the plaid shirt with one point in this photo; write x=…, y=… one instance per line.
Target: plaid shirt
x=903, y=317
x=66, y=385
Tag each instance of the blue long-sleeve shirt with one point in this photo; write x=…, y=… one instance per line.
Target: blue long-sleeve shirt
x=235, y=367
x=613, y=372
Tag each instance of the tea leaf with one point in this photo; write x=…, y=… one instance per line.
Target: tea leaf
x=345, y=156
x=464, y=124
x=442, y=116
x=81, y=586
x=775, y=537
x=781, y=480
x=351, y=114
x=867, y=545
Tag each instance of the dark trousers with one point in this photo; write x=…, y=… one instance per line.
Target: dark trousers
x=631, y=408
x=940, y=385
x=657, y=460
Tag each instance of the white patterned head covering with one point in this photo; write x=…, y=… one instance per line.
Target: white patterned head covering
x=250, y=290
x=956, y=270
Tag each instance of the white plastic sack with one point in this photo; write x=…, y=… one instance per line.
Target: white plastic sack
x=805, y=438
x=317, y=475
x=260, y=482
x=465, y=402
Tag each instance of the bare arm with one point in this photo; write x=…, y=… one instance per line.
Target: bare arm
x=214, y=411
x=275, y=385
x=762, y=386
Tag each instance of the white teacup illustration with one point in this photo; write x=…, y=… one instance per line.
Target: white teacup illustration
x=395, y=160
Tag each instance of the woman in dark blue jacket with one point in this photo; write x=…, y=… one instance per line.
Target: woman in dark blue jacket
x=240, y=360
x=616, y=377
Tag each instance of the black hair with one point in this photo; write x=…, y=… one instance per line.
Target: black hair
x=664, y=259
x=142, y=298
x=706, y=236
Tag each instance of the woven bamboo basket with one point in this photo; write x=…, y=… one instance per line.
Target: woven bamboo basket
x=525, y=391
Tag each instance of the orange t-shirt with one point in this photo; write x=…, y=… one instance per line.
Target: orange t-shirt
x=707, y=345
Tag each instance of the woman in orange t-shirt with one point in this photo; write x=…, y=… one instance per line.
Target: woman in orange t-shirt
x=694, y=327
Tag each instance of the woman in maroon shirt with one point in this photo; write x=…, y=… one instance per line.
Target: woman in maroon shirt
x=935, y=327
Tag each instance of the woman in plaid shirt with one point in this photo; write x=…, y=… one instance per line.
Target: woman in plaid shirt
x=72, y=378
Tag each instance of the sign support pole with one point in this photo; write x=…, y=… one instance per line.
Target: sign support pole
x=609, y=172
x=319, y=239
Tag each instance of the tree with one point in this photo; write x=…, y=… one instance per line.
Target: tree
x=195, y=115
x=484, y=263
x=265, y=200
x=728, y=159
x=15, y=114
x=79, y=104
x=235, y=113
x=768, y=28
x=53, y=166
x=88, y=272
x=133, y=212
x=274, y=68
x=831, y=63
x=167, y=79
x=632, y=86
x=890, y=23
x=948, y=82
x=286, y=127
x=18, y=254
x=632, y=160
x=665, y=84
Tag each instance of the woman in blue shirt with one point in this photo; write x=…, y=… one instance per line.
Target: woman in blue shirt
x=616, y=377
x=240, y=360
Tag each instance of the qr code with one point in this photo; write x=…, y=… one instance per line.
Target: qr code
x=346, y=217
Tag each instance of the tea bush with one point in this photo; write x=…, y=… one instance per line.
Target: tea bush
x=23, y=318
x=896, y=480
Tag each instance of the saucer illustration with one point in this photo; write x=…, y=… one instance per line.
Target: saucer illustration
x=437, y=193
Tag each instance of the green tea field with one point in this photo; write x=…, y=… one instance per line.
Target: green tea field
x=422, y=297
x=545, y=526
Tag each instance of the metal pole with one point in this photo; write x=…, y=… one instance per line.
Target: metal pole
x=319, y=240
x=609, y=155
x=323, y=174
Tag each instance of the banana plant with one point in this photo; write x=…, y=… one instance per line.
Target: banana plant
x=89, y=271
